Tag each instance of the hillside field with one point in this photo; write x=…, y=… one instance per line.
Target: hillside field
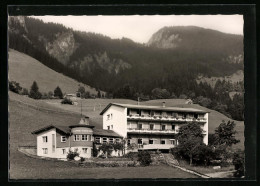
x=25, y=69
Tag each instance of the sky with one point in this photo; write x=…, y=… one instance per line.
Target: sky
x=141, y=28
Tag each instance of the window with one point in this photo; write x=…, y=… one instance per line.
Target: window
x=151, y=126
x=92, y=138
x=128, y=142
x=104, y=140
x=84, y=137
x=45, y=150
x=97, y=139
x=163, y=127
x=108, y=127
x=63, y=138
x=111, y=127
x=140, y=141
x=108, y=117
x=117, y=140
x=150, y=141
x=173, y=142
x=76, y=137
x=85, y=150
x=139, y=126
x=111, y=140
x=111, y=116
x=63, y=151
x=163, y=142
x=173, y=127
x=45, y=139
x=53, y=143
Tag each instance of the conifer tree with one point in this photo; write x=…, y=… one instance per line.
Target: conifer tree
x=34, y=92
x=58, y=93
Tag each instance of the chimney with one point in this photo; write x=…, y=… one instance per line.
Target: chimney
x=163, y=104
x=84, y=120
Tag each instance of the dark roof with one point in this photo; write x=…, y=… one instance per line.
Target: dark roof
x=146, y=107
x=61, y=129
x=67, y=130
x=102, y=132
x=80, y=125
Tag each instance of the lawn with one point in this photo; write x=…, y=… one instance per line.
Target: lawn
x=204, y=169
x=23, y=167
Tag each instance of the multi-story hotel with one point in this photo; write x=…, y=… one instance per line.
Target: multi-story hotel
x=151, y=127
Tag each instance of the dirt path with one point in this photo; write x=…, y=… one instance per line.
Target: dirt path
x=226, y=174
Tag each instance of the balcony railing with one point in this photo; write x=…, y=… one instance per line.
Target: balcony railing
x=164, y=118
x=152, y=131
x=155, y=146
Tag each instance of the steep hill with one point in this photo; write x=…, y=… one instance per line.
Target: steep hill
x=25, y=69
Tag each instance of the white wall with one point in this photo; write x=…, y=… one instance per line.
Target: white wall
x=206, y=129
x=48, y=145
x=59, y=153
x=119, y=120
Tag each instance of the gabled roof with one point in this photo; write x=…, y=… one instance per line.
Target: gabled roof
x=60, y=129
x=108, y=133
x=67, y=129
x=146, y=107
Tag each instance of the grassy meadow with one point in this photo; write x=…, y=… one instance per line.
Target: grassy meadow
x=46, y=78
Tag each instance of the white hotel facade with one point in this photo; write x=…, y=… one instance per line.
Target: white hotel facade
x=151, y=127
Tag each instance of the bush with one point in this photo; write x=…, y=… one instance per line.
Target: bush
x=144, y=158
x=44, y=96
x=15, y=87
x=25, y=91
x=82, y=159
x=66, y=101
x=131, y=155
x=239, y=163
x=72, y=154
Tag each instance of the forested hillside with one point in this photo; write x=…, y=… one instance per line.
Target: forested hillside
x=167, y=67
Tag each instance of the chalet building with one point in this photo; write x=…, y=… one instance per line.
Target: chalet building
x=151, y=127
x=56, y=141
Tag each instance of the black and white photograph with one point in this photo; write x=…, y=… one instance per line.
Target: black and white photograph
x=126, y=96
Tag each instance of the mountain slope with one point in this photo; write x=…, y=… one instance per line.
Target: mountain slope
x=172, y=59
x=25, y=69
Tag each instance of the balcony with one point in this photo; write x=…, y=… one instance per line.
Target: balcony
x=164, y=118
x=145, y=131
x=155, y=146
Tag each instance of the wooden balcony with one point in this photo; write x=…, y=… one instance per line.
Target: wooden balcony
x=155, y=146
x=164, y=118
x=133, y=130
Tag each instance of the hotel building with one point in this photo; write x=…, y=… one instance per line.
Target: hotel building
x=151, y=127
